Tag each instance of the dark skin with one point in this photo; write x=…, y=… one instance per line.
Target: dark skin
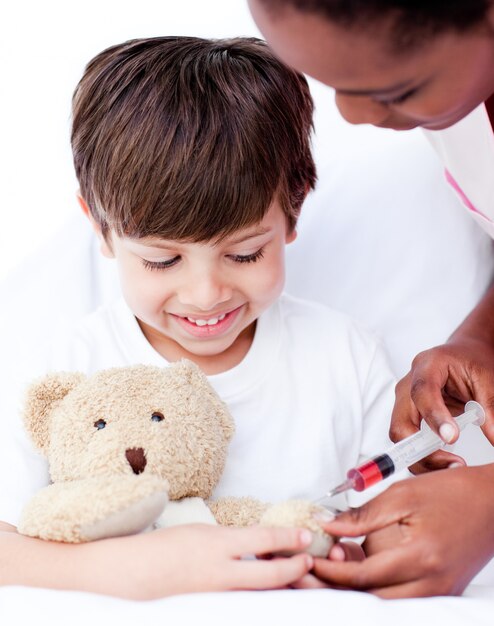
x=431, y=535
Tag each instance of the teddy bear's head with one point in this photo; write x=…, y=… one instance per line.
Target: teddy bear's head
x=167, y=421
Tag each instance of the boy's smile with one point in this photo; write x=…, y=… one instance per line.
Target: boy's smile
x=208, y=327
x=201, y=300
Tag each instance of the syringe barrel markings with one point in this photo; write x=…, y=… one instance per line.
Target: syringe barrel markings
x=408, y=451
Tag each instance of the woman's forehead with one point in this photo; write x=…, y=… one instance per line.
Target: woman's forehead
x=354, y=58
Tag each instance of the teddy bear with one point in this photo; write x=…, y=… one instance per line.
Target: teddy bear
x=135, y=448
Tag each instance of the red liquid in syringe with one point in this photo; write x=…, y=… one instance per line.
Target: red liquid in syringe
x=371, y=472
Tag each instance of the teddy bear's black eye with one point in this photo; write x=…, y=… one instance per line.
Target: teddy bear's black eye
x=99, y=424
x=157, y=417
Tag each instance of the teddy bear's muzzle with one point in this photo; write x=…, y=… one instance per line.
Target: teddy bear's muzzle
x=137, y=459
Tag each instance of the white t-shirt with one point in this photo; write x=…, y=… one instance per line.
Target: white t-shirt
x=313, y=396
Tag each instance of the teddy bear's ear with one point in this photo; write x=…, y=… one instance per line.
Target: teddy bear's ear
x=41, y=398
x=198, y=379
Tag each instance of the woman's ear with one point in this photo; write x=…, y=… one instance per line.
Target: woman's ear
x=105, y=246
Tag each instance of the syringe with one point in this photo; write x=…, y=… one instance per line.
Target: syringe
x=404, y=453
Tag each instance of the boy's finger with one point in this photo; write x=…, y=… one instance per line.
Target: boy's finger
x=260, y=540
x=272, y=574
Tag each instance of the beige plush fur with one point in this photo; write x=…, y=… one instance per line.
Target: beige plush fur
x=124, y=445
x=300, y=513
x=181, y=455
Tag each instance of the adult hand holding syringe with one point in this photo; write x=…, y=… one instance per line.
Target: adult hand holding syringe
x=404, y=453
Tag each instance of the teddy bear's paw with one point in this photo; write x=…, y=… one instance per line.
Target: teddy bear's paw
x=300, y=513
x=95, y=508
x=135, y=518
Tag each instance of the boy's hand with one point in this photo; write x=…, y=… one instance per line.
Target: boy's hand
x=439, y=384
x=198, y=558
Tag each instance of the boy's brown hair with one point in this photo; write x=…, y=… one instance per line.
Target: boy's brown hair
x=191, y=139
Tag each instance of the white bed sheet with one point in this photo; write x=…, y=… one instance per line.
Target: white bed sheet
x=20, y=605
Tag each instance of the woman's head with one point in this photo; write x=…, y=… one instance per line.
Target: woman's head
x=393, y=63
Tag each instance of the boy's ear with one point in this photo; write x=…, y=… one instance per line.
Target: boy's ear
x=291, y=235
x=104, y=245
x=42, y=397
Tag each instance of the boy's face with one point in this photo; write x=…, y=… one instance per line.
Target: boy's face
x=200, y=300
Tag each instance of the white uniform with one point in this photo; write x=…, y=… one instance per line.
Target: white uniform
x=313, y=395
x=467, y=151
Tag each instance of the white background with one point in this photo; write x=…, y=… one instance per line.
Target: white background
x=44, y=47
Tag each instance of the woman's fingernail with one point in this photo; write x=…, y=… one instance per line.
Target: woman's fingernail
x=455, y=464
x=309, y=561
x=337, y=553
x=447, y=432
x=324, y=516
x=305, y=537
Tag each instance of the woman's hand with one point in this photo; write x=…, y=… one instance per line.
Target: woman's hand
x=439, y=384
x=444, y=378
x=340, y=551
x=426, y=536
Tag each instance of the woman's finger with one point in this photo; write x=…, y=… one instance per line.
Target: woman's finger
x=380, y=570
x=346, y=551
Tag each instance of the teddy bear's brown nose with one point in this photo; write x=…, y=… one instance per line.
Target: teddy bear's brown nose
x=136, y=459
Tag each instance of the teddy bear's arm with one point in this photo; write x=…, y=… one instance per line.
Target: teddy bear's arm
x=237, y=511
x=94, y=508
x=291, y=513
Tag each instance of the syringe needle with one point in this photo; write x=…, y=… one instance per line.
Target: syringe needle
x=348, y=484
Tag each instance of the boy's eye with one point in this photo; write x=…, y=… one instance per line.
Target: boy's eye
x=247, y=258
x=99, y=424
x=157, y=417
x=160, y=265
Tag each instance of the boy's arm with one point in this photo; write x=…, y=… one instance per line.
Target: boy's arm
x=182, y=559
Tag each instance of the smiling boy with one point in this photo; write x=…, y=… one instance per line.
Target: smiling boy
x=201, y=301
x=193, y=159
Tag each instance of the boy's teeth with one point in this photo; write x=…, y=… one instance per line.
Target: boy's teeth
x=210, y=322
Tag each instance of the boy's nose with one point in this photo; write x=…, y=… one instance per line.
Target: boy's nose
x=361, y=109
x=205, y=293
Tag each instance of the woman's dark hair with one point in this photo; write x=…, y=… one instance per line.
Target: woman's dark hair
x=191, y=139
x=413, y=21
